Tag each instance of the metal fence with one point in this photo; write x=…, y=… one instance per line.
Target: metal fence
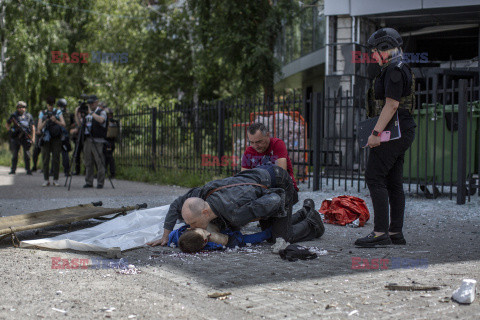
x=321, y=138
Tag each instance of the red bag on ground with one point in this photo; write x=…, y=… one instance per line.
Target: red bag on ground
x=344, y=210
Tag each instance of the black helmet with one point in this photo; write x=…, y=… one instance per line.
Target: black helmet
x=62, y=103
x=385, y=39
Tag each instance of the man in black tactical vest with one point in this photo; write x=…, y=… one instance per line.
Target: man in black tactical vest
x=22, y=134
x=95, y=134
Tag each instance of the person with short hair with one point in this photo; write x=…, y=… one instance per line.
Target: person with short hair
x=264, y=149
x=193, y=240
x=22, y=134
x=95, y=134
x=306, y=225
x=51, y=124
x=265, y=193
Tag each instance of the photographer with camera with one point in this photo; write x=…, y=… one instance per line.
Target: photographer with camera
x=50, y=123
x=94, y=120
x=22, y=133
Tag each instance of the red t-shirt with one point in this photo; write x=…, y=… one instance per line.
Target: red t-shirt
x=276, y=150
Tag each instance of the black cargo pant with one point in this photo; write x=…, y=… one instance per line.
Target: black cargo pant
x=54, y=146
x=282, y=227
x=15, y=145
x=384, y=177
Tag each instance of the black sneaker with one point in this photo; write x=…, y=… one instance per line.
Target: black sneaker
x=12, y=172
x=100, y=186
x=29, y=173
x=372, y=240
x=86, y=185
x=398, y=238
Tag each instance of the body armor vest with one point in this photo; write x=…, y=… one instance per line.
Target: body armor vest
x=375, y=106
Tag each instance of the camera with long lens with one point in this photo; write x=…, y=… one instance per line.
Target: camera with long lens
x=83, y=109
x=82, y=105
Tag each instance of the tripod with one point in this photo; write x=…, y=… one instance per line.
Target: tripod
x=81, y=137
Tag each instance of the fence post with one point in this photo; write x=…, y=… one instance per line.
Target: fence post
x=462, y=141
x=221, y=130
x=316, y=138
x=154, y=137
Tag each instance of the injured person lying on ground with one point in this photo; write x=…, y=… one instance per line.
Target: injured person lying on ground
x=265, y=194
x=304, y=225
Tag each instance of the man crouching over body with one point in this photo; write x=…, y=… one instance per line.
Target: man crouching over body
x=265, y=193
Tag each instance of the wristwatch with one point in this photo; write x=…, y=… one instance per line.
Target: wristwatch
x=375, y=133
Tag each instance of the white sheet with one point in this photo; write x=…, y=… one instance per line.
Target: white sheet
x=122, y=233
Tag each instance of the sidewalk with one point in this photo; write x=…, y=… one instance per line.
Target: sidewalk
x=261, y=285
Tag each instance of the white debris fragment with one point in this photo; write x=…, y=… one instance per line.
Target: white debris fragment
x=58, y=292
x=355, y=223
x=319, y=252
x=280, y=244
x=129, y=270
x=353, y=312
x=466, y=292
x=59, y=310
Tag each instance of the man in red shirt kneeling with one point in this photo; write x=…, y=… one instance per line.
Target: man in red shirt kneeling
x=264, y=150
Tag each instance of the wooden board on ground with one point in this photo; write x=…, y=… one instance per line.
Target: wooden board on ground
x=60, y=216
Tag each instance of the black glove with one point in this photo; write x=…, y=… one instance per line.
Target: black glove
x=294, y=252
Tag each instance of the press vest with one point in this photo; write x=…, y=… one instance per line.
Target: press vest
x=375, y=106
x=98, y=130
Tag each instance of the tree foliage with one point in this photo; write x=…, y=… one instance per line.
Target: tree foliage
x=204, y=49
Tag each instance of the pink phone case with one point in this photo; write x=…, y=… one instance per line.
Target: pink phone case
x=385, y=136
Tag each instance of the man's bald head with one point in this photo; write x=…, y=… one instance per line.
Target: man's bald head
x=195, y=212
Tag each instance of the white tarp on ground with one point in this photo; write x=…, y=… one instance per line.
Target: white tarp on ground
x=122, y=233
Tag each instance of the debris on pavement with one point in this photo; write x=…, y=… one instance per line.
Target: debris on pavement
x=217, y=295
x=59, y=310
x=411, y=288
x=353, y=312
x=355, y=223
x=130, y=269
x=465, y=294
x=280, y=244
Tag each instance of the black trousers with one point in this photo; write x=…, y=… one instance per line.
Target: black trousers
x=384, y=177
x=54, y=147
x=109, y=159
x=282, y=227
x=302, y=228
x=15, y=145
x=65, y=161
x=78, y=156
